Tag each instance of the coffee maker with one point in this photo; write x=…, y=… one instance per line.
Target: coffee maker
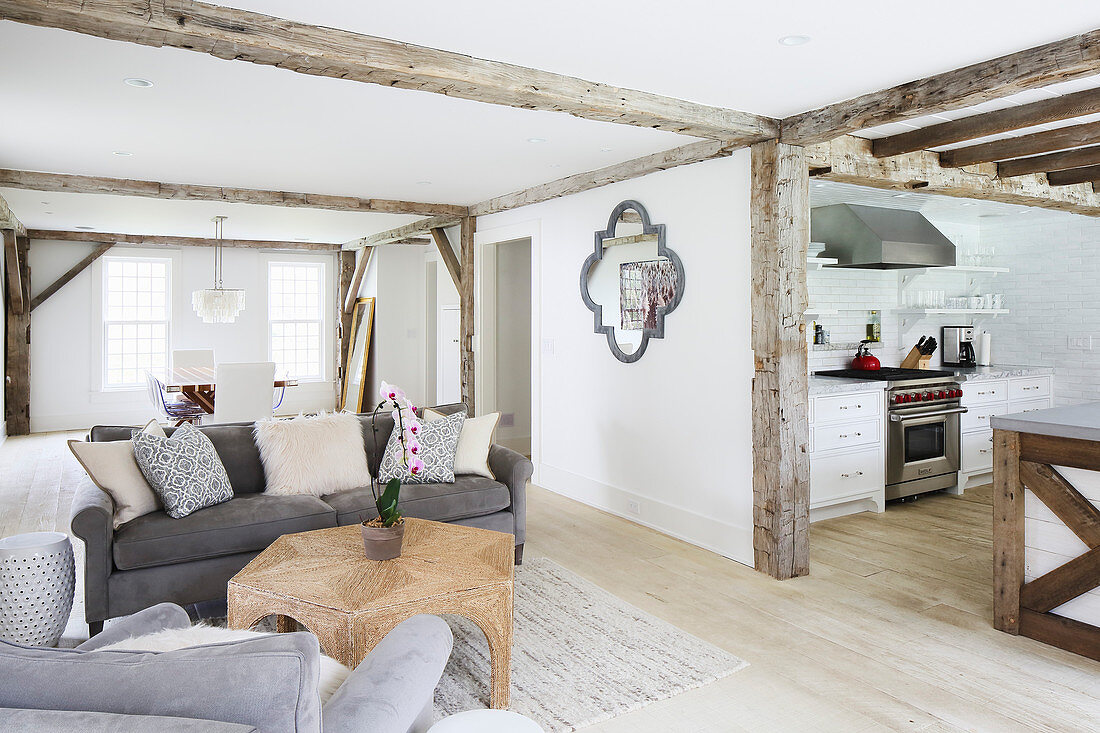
x=958, y=346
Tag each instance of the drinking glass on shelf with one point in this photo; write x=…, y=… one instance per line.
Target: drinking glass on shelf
x=998, y=301
x=941, y=299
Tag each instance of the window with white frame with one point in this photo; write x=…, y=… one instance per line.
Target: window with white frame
x=296, y=317
x=136, y=318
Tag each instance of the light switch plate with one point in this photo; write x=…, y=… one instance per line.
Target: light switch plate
x=548, y=346
x=1080, y=343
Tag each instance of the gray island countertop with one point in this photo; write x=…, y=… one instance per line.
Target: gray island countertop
x=1075, y=421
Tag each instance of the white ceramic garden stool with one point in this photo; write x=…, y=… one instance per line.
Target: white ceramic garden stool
x=37, y=576
x=486, y=721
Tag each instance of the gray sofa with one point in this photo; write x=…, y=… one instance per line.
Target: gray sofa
x=155, y=558
x=268, y=684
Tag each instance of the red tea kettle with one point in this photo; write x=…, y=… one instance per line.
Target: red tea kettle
x=864, y=359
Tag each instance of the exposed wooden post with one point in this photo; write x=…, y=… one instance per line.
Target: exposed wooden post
x=73, y=271
x=348, y=269
x=1008, y=531
x=362, y=262
x=466, y=314
x=17, y=355
x=14, y=269
x=780, y=238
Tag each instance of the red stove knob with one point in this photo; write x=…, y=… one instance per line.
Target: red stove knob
x=958, y=393
x=928, y=396
x=941, y=394
x=917, y=397
x=898, y=399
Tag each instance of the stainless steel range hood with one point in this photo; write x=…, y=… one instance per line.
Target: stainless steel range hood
x=874, y=238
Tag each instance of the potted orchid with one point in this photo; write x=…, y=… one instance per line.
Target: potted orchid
x=383, y=534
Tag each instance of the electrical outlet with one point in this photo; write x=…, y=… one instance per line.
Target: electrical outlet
x=548, y=346
x=508, y=420
x=634, y=507
x=1080, y=343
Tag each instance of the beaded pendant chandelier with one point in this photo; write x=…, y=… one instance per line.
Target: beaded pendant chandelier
x=218, y=304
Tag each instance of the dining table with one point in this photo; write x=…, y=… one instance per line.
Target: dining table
x=197, y=384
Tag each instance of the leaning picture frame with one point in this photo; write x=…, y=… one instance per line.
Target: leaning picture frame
x=355, y=371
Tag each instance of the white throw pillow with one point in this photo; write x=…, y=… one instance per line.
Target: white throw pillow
x=313, y=455
x=111, y=466
x=472, y=455
x=333, y=673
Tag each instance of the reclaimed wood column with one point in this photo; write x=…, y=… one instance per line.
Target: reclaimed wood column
x=347, y=274
x=1008, y=531
x=466, y=314
x=17, y=336
x=780, y=238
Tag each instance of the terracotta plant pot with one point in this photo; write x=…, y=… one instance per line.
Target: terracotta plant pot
x=382, y=543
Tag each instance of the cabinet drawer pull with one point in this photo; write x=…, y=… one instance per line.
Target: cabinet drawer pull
x=983, y=450
x=845, y=407
x=849, y=475
x=844, y=435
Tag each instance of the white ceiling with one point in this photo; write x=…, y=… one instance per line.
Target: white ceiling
x=208, y=121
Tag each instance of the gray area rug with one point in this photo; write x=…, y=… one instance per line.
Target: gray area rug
x=580, y=655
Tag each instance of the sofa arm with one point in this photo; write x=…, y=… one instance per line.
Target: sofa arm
x=393, y=685
x=92, y=520
x=513, y=470
x=148, y=621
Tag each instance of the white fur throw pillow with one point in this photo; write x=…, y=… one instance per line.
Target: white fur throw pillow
x=333, y=673
x=313, y=455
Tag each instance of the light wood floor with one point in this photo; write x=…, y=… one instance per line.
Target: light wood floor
x=889, y=632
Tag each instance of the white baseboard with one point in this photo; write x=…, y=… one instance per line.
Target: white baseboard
x=726, y=539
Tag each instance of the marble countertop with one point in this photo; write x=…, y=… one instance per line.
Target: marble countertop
x=1076, y=421
x=1001, y=371
x=833, y=385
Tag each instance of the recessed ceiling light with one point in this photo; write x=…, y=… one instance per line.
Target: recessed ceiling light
x=606, y=150
x=969, y=203
x=901, y=195
x=49, y=213
x=423, y=183
x=87, y=229
x=536, y=140
x=796, y=40
x=122, y=153
x=819, y=185
x=555, y=165
x=138, y=82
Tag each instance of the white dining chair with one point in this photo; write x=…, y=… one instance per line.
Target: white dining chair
x=185, y=358
x=242, y=391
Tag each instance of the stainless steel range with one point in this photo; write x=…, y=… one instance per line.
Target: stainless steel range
x=922, y=428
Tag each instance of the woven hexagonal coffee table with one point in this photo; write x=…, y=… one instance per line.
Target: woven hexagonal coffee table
x=322, y=580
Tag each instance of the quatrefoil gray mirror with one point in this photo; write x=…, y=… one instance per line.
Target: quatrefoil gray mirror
x=631, y=281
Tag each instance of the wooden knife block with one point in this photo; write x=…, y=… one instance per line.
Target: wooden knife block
x=916, y=360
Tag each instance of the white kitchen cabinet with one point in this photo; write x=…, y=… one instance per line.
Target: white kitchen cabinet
x=985, y=399
x=847, y=454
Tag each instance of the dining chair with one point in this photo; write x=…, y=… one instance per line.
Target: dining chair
x=184, y=358
x=181, y=410
x=242, y=391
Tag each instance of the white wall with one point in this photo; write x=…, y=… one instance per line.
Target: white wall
x=65, y=333
x=513, y=344
x=672, y=432
x=1053, y=294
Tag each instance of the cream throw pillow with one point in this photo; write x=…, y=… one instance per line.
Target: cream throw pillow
x=111, y=466
x=472, y=455
x=313, y=455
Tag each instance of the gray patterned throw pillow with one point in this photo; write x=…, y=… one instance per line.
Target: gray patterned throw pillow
x=184, y=470
x=438, y=444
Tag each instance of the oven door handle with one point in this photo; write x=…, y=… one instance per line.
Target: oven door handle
x=895, y=417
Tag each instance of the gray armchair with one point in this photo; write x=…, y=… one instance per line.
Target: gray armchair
x=391, y=691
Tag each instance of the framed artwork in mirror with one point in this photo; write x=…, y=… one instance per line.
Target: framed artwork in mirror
x=355, y=371
x=631, y=281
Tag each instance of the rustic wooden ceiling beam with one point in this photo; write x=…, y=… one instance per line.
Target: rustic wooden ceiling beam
x=1073, y=176
x=156, y=240
x=635, y=168
x=990, y=123
x=241, y=35
x=1070, y=58
x=362, y=262
x=449, y=256
x=1015, y=147
x=1049, y=162
x=848, y=159
x=406, y=234
x=65, y=183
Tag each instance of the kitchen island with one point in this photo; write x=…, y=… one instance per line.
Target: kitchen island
x=1046, y=526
